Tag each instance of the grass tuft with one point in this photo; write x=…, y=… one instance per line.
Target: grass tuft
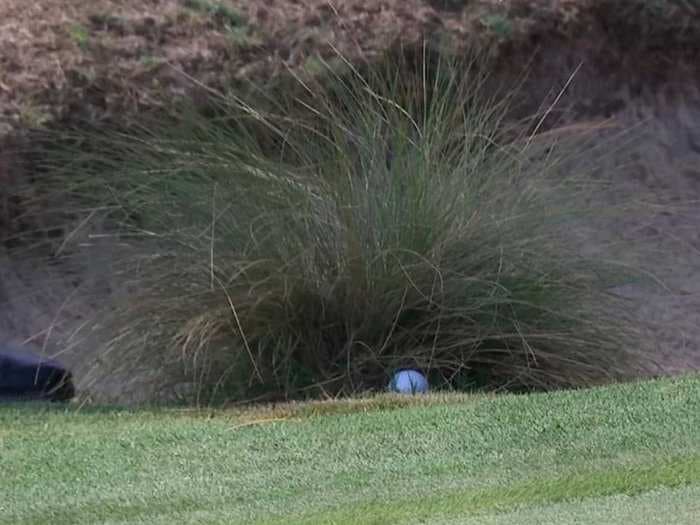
x=310, y=243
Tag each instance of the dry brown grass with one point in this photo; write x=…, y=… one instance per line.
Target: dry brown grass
x=56, y=51
x=125, y=54
x=247, y=414
x=60, y=58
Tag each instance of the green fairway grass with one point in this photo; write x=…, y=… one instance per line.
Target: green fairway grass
x=619, y=454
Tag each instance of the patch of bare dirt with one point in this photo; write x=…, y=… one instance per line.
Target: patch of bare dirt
x=655, y=97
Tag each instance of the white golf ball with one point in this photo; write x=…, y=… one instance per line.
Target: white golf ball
x=409, y=382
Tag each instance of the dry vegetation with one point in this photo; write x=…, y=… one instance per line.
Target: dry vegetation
x=67, y=58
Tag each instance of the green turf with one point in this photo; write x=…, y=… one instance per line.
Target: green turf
x=658, y=507
x=621, y=454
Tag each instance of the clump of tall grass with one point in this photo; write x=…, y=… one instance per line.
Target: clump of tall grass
x=312, y=242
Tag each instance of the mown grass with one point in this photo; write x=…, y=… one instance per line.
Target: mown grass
x=309, y=242
x=588, y=456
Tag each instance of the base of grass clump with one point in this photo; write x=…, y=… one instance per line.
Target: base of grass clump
x=310, y=243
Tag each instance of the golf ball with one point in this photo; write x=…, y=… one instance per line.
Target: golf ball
x=409, y=382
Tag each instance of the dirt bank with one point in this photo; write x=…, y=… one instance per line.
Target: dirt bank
x=655, y=95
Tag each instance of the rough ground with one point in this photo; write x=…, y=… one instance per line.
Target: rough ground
x=62, y=57
x=635, y=64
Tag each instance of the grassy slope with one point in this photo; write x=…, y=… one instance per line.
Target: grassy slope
x=607, y=455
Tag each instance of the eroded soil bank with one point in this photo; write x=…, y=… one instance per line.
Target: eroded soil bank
x=590, y=77
x=656, y=96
